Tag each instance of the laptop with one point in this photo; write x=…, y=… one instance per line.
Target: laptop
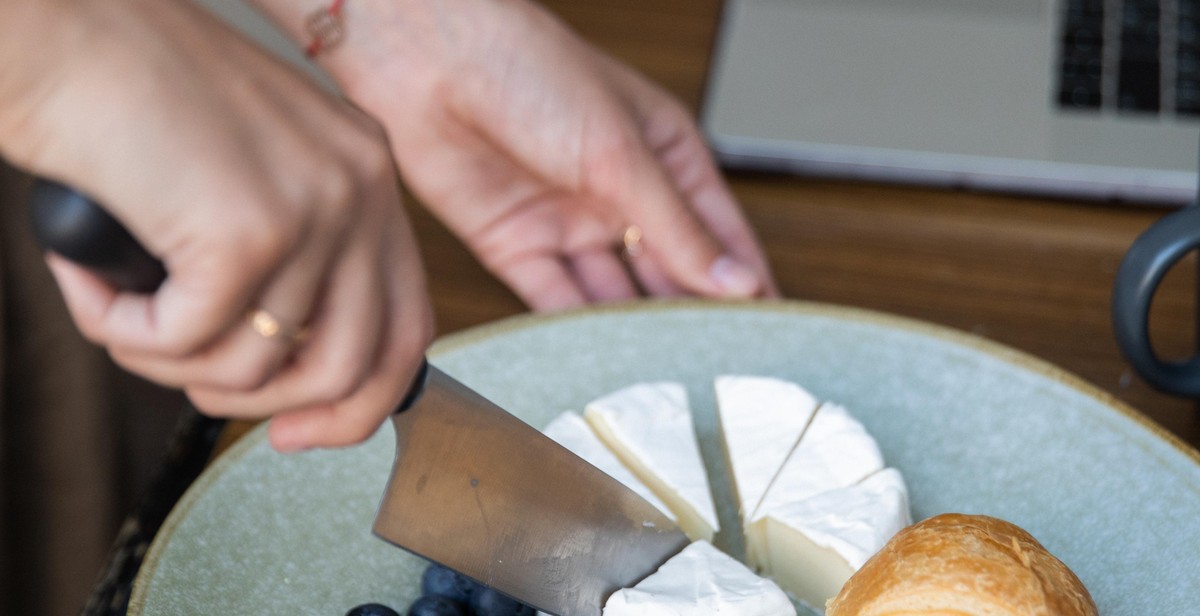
x=1082, y=99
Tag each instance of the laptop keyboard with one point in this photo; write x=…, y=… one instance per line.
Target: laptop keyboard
x=1134, y=56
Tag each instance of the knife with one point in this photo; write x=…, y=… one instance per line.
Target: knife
x=472, y=487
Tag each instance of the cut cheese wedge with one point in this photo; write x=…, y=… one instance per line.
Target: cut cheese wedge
x=834, y=452
x=762, y=419
x=649, y=428
x=571, y=431
x=813, y=546
x=701, y=581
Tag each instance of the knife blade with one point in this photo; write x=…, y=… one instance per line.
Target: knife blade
x=482, y=492
x=472, y=487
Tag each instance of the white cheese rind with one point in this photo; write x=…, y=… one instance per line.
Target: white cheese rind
x=571, y=431
x=649, y=428
x=836, y=451
x=855, y=521
x=701, y=581
x=762, y=419
x=813, y=546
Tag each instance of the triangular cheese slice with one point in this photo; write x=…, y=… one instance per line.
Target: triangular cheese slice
x=762, y=419
x=701, y=581
x=649, y=427
x=572, y=432
x=836, y=451
x=814, y=545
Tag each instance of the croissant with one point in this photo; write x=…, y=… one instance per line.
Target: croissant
x=963, y=565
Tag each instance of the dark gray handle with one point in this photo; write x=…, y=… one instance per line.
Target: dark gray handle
x=69, y=223
x=1149, y=259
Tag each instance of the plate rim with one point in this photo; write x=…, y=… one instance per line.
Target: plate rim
x=479, y=333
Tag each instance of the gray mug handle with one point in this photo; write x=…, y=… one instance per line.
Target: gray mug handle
x=1150, y=257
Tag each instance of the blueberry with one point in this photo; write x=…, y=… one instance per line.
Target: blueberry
x=433, y=605
x=372, y=609
x=448, y=583
x=489, y=602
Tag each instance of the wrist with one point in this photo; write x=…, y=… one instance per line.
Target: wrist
x=394, y=42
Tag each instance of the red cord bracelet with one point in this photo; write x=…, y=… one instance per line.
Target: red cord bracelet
x=324, y=28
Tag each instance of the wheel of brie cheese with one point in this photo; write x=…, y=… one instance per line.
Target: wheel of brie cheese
x=814, y=496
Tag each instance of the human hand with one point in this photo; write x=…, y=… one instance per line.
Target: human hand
x=539, y=151
x=257, y=191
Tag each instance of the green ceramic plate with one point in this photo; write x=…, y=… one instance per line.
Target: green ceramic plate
x=975, y=427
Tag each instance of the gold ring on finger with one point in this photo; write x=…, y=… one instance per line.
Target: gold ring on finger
x=269, y=326
x=631, y=242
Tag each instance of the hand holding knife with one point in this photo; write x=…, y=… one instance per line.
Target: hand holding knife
x=472, y=488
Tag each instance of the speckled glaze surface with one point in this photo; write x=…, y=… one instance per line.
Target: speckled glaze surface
x=975, y=427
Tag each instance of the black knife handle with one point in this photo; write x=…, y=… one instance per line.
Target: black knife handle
x=67, y=222
x=71, y=224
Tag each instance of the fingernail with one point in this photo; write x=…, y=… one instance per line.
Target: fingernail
x=734, y=278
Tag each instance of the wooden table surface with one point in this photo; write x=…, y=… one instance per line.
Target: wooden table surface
x=1033, y=274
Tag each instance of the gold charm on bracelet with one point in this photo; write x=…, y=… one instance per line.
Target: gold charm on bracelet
x=325, y=29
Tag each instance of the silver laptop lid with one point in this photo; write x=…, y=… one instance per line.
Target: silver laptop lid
x=948, y=92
